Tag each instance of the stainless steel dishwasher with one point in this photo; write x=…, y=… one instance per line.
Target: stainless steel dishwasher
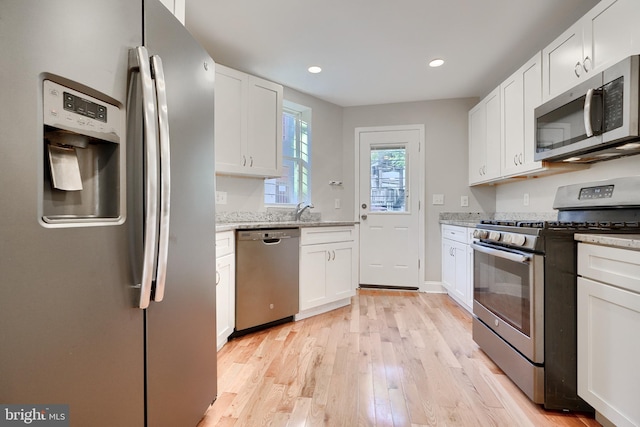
x=266, y=277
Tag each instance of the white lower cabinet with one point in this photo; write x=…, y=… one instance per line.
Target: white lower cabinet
x=609, y=332
x=328, y=268
x=457, y=264
x=225, y=286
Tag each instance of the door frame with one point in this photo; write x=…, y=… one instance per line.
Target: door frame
x=421, y=189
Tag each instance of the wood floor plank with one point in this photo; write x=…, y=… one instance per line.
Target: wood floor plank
x=390, y=359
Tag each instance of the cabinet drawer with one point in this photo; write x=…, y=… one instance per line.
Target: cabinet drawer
x=318, y=235
x=225, y=243
x=454, y=232
x=619, y=267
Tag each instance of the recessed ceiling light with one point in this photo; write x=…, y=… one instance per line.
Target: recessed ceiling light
x=314, y=69
x=436, y=62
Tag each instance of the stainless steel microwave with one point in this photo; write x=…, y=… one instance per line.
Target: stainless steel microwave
x=596, y=120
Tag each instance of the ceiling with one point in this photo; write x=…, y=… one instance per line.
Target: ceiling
x=376, y=51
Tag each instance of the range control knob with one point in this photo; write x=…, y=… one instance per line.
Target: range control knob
x=507, y=238
x=480, y=234
x=518, y=239
x=495, y=236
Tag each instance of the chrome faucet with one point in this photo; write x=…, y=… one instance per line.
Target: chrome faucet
x=300, y=208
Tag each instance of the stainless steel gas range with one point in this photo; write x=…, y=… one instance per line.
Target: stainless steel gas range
x=525, y=282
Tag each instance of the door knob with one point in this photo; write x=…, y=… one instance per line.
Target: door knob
x=363, y=216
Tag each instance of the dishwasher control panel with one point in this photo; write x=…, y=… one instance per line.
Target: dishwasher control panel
x=268, y=234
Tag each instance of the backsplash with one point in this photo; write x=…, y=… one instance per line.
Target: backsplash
x=514, y=216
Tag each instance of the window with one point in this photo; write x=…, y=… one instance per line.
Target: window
x=294, y=186
x=388, y=180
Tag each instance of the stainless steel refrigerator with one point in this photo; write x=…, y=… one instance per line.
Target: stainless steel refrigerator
x=106, y=194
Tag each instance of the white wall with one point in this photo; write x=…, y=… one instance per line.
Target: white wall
x=509, y=197
x=446, y=140
x=247, y=194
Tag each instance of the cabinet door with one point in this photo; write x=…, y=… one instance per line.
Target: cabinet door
x=477, y=141
x=562, y=62
x=225, y=298
x=264, y=133
x=313, y=276
x=608, y=348
x=230, y=119
x=485, y=140
x=460, y=256
x=532, y=91
x=494, y=139
x=455, y=271
x=340, y=271
x=521, y=94
x=608, y=31
x=512, y=123
x=448, y=265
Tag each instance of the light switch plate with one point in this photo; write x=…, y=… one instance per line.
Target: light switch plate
x=525, y=199
x=464, y=200
x=438, y=199
x=221, y=197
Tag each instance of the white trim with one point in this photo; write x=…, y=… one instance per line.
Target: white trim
x=322, y=309
x=422, y=166
x=433, y=287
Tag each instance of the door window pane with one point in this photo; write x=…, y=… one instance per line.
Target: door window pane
x=388, y=179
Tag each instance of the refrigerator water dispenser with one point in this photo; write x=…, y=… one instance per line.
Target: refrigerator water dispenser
x=83, y=164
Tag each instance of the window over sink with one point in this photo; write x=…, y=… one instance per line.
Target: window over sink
x=294, y=186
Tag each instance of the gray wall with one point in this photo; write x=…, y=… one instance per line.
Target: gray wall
x=446, y=152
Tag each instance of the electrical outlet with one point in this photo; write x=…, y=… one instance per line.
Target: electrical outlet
x=525, y=199
x=221, y=197
x=438, y=199
x=464, y=201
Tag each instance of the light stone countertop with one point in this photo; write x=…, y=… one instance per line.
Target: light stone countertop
x=623, y=241
x=254, y=225
x=459, y=222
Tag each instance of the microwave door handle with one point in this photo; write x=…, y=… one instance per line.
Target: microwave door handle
x=587, y=113
x=510, y=256
x=165, y=178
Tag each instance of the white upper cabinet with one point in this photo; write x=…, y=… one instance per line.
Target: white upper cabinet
x=521, y=94
x=176, y=7
x=602, y=37
x=248, y=124
x=485, y=139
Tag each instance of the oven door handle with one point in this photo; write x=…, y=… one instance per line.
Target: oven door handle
x=511, y=256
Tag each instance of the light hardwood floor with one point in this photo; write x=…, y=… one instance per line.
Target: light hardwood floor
x=390, y=359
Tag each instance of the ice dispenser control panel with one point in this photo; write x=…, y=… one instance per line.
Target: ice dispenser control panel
x=68, y=109
x=84, y=159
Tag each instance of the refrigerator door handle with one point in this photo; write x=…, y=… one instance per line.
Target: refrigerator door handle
x=150, y=123
x=165, y=177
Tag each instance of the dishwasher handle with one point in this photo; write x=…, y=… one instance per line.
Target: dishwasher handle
x=269, y=242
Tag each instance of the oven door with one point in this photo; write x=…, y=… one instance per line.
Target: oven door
x=508, y=293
